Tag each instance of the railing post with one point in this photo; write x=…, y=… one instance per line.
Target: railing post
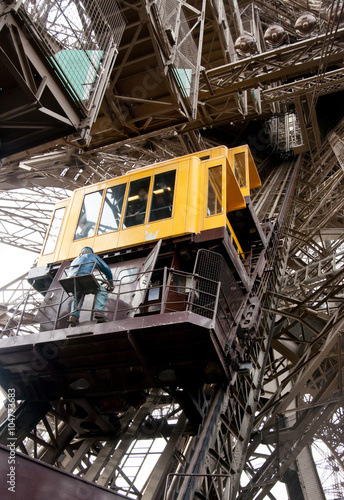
x=164, y=292
x=191, y=295
x=217, y=300
x=22, y=313
x=117, y=302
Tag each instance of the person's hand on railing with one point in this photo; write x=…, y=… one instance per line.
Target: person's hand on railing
x=109, y=287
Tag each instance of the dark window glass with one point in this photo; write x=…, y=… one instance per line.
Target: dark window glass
x=54, y=230
x=162, y=198
x=89, y=215
x=135, y=212
x=112, y=209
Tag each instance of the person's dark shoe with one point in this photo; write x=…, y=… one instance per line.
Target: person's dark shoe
x=73, y=320
x=99, y=317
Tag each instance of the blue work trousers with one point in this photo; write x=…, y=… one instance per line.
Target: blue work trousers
x=101, y=298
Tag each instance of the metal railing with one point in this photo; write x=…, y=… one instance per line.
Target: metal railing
x=79, y=39
x=315, y=272
x=134, y=295
x=177, y=291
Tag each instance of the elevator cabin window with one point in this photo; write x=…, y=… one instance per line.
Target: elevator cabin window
x=54, y=231
x=89, y=215
x=112, y=209
x=239, y=169
x=162, y=198
x=214, y=190
x=135, y=212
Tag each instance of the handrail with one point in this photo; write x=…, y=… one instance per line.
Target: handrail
x=176, y=291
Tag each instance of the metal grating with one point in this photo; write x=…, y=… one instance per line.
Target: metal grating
x=80, y=40
x=184, y=53
x=212, y=266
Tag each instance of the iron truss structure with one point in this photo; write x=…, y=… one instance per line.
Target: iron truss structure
x=169, y=78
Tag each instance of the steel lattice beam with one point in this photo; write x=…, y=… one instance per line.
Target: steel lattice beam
x=144, y=118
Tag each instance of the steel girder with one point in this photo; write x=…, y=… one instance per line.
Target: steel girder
x=145, y=96
x=303, y=379
x=306, y=352
x=34, y=107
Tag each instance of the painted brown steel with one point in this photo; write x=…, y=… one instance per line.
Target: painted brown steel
x=24, y=477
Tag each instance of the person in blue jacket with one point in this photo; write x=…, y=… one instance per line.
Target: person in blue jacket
x=83, y=264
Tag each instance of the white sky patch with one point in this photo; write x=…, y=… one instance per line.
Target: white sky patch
x=14, y=262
